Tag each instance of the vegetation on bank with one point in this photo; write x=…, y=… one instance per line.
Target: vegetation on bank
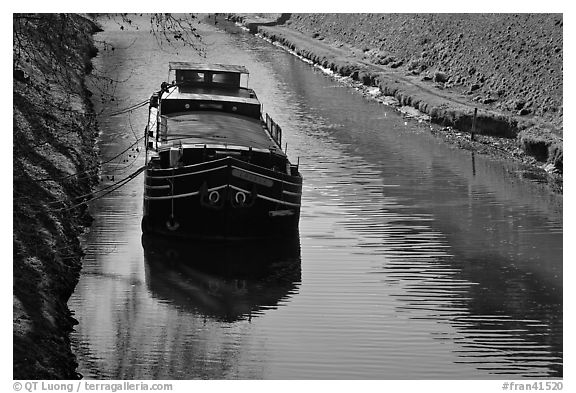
x=511, y=61
x=55, y=167
x=445, y=65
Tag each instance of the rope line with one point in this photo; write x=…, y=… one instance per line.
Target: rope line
x=129, y=109
x=117, y=184
x=95, y=167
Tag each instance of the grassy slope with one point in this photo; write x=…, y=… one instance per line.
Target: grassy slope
x=509, y=66
x=512, y=58
x=54, y=132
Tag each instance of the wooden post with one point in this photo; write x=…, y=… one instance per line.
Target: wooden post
x=474, y=124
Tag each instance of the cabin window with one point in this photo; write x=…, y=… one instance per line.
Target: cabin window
x=229, y=79
x=189, y=76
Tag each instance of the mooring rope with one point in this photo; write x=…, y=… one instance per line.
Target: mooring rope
x=129, y=109
x=91, y=168
x=115, y=186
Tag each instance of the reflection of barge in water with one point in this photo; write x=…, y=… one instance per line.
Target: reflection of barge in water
x=215, y=166
x=227, y=283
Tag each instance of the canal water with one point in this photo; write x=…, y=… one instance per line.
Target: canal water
x=415, y=260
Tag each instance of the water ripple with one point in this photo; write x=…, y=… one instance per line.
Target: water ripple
x=414, y=260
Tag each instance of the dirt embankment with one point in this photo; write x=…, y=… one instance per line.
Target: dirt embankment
x=507, y=66
x=54, y=166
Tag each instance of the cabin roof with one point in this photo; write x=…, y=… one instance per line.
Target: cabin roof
x=186, y=65
x=212, y=94
x=207, y=127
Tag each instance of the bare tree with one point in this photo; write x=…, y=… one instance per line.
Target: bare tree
x=171, y=31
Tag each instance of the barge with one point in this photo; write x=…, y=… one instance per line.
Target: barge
x=215, y=167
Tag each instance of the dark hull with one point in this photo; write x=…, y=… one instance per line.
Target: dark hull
x=224, y=198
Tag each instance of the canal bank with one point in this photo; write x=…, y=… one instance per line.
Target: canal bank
x=55, y=167
x=445, y=68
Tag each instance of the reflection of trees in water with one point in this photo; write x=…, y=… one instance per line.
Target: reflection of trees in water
x=173, y=346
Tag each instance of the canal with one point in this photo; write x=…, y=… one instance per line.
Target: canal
x=415, y=260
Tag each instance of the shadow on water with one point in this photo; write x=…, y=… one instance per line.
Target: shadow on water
x=507, y=321
x=512, y=312
x=228, y=282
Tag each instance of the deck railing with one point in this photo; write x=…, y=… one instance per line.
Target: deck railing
x=274, y=130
